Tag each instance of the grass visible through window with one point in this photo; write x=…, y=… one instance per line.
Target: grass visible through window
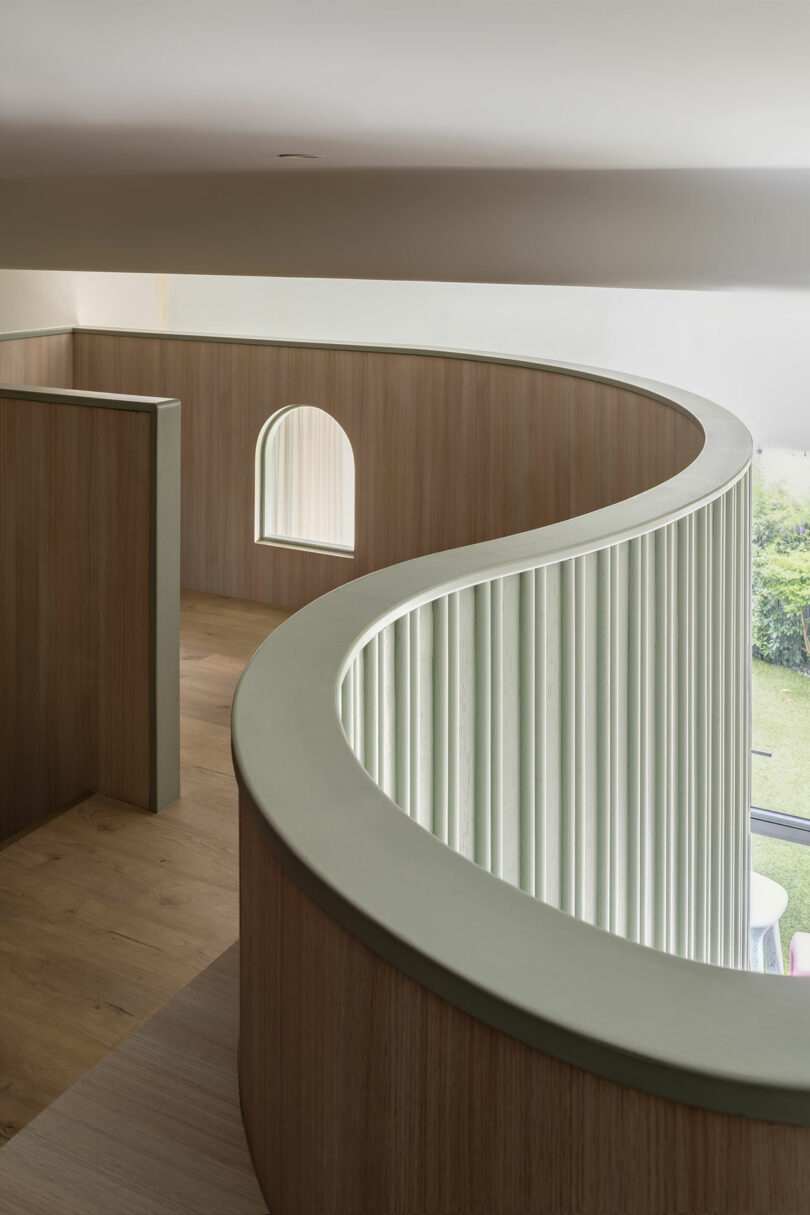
x=782, y=726
x=789, y=865
x=781, y=672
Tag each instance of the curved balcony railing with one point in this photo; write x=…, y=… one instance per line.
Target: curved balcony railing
x=579, y=728
x=569, y=708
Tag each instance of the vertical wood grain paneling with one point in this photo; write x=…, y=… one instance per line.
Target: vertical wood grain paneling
x=364, y=1092
x=79, y=710
x=46, y=361
x=447, y=451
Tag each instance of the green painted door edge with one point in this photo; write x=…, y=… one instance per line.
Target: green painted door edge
x=164, y=619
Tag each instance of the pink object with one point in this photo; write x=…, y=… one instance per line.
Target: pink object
x=800, y=953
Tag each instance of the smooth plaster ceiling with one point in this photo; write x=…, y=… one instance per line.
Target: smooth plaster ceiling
x=102, y=86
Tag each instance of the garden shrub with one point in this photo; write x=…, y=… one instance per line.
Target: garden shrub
x=781, y=576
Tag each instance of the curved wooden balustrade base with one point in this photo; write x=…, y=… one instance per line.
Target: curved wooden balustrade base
x=364, y=1093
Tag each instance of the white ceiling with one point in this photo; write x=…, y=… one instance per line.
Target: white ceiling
x=103, y=86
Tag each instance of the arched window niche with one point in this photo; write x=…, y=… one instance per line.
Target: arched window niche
x=305, y=482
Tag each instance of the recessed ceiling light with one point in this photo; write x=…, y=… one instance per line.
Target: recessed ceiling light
x=298, y=156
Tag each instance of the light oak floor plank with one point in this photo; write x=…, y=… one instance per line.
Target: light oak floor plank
x=106, y=910
x=154, y=1128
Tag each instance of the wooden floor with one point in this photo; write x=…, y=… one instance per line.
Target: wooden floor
x=154, y=1129
x=108, y=911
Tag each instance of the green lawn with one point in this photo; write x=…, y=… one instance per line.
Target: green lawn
x=782, y=725
x=789, y=865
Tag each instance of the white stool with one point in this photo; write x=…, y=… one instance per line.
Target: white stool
x=768, y=903
x=800, y=954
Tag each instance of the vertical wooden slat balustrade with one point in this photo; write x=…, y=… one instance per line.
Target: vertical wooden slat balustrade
x=577, y=729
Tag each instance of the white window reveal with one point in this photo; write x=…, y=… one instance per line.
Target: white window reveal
x=305, y=482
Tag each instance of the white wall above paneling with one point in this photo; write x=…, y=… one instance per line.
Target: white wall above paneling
x=41, y=299
x=747, y=350
x=128, y=301
x=37, y=299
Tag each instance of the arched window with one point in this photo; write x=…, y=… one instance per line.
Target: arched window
x=305, y=482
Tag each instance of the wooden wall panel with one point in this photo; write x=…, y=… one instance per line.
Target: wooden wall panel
x=363, y=1093
x=45, y=361
x=75, y=503
x=447, y=451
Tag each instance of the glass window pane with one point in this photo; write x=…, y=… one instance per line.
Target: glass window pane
x=305, y=472
x=781, y=632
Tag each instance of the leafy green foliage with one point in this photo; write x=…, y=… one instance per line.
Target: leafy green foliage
x=781, y=576
x=779, y=520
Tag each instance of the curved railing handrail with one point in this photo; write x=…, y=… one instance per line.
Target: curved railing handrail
x=726, y=1040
